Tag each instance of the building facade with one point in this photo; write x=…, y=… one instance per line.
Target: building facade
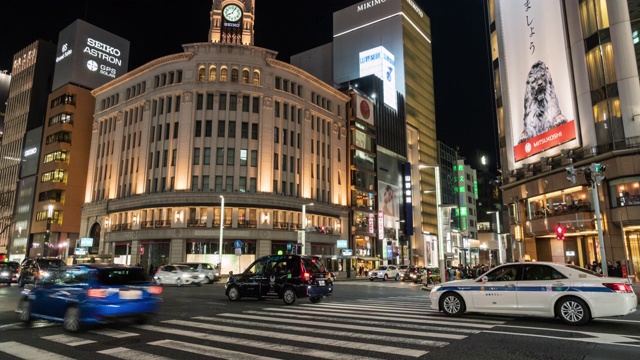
x=588, y=117
x=222, y=123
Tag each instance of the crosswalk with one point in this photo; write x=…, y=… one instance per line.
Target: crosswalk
x=381, y=328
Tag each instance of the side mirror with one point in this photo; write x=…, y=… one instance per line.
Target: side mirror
x=485, y=279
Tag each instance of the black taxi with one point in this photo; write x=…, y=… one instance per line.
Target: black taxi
x=286, y=277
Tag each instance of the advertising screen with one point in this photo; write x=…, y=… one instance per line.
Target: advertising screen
x=381, y=63
x=89, y=56
x=541, y=109
x=389, y=206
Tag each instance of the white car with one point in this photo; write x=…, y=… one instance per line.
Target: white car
x=210, y=272
x=178, y=275
x=573, y=294
x=385, y=272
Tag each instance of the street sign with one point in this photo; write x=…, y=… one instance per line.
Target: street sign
x=86, y=242
x=237, y=244
x=238, y=251
x=80, y=251
x=288, y=247
x=347, y=252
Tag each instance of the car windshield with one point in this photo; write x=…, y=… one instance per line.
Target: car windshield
x=382, y=268
x=121, y=276
x=50, y=263
x=313, y=265
x=4, y=267
x=12, y=265
x=191, y=266
x=583, y=270
x=184, y=268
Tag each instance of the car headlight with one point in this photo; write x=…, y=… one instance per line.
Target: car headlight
x=4, y=273
x=201, y=275
x=185, y=275
x=44, y=274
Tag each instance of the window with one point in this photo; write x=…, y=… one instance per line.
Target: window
x=229, y=187
x=218, y=185
x=276, y=136
x=256, y=105
x=541, y=272
x=284, y=163
x=208, y=128
x=278, y=83
x=254, y=131
x=205, y=183
x=221, y=128
x=196, y=156
x=194, y=183
x=223, y=74
x=201, y=73
x=244, y=130
x=275, y=161
x=198, y=129
x=254, y=158
x=233, y=102
x=209, y=101
x=245, y=103
x=231, y=154
x=207, y=156
x=199, y=101
x=232, y=129
x=212, y=73
x=243, y=157
x=234, y=75
x=219, y=156
x=505, y=273
x=253, y=185
x=245, y=76
x=277, y=109
x=223, y=102
x=256, y=77
x=177, y=103
x=165, y=156
x=174, y=154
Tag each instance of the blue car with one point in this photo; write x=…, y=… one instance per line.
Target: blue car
x=90, y=294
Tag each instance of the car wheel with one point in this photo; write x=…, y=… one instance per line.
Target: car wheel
x=179, y=282
x=196, y=283
x=398, y=277
x=143, y=319
x=289, y=296
x=452, y=304
x=385, y=277
x=315, y=299
x=24, y=307
x=573, y=311
x=209, y=281
x=20, y=282
x=234, y=293
x=72, y=319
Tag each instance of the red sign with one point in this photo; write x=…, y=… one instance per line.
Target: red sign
x=624, y=271
x=548, y=139
x=141, y=250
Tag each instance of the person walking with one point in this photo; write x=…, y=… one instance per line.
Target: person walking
x=151, y=271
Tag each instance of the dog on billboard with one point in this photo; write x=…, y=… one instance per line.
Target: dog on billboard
x=541, y=107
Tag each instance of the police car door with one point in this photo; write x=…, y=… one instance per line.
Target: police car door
x=497, y=289
x=276, y=276
x=539, y=287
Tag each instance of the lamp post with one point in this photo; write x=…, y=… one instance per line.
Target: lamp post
x=497, y=212
x=47, y=234
x=304, y=228
x=221, y=235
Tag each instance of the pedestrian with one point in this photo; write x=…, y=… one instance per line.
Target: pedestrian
x=361, y=270
x=151, y=271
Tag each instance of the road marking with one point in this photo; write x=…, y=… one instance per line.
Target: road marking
x=619, y=320
x=371, y=323
x=298, y=351
x=340, y=325
x=608, y=339
x=8, y=326
x=301, y=338
x=345, y=334
x=114, y=333
x=208, y=350
x=68, y=340
x=128, y=354
x=29, y=352
x=457, y=322
x=603, y=338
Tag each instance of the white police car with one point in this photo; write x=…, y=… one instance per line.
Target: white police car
x=573, y=294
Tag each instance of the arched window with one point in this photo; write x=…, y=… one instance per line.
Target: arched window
x=212, y=73
x=234, y=75
x=245, y=76
x=256, y=77
x=223, y=74
x=201, y=73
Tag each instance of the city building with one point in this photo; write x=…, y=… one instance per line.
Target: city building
x=573, y=64
x=219, y=148
x=391, y=40
x=5, y=80
x=26, y=107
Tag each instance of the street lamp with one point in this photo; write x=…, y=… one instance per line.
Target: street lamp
x=221, y=236
x=441, y=261
x=497, y=212
x=304, y=228
x=47, y=234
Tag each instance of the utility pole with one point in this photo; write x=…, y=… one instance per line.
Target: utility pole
x=595, y=177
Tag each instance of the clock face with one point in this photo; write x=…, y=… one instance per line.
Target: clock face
x=232, y=13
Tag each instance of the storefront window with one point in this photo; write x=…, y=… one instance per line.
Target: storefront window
x=363, y=246
x=558, y=203
x=625, y=191
x=363, y=199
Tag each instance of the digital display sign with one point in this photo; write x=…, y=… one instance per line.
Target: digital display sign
x=89, y=56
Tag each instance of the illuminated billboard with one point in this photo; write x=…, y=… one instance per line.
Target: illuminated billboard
x=381, y=63
x=89, y=56
x=540, y=112
x=364, y=109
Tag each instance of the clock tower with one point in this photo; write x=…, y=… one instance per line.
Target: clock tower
x=232, y=22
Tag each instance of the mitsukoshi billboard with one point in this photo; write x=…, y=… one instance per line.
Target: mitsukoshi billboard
x=541, y=109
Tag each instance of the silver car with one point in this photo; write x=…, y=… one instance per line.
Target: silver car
x=178, y=275
x=211, y=274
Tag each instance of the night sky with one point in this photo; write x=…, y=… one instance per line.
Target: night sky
x=155, y=28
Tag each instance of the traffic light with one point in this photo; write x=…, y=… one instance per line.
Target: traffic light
x=560, y=230
x=571, y=174
x=598, y=171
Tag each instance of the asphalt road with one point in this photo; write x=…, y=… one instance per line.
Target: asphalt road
x=363, y=320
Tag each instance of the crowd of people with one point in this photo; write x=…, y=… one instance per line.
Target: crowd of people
x=612, y=270
x=466, y=271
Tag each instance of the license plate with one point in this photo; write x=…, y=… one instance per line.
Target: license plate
x=130, y=294
x=320, y=282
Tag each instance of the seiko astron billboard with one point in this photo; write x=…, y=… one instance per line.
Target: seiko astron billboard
x=540, y=111
x=89, y=56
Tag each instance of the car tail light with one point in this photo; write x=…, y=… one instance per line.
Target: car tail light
x=619, y=287
x=155, y=290
x=97, y=293
x=306, y=276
